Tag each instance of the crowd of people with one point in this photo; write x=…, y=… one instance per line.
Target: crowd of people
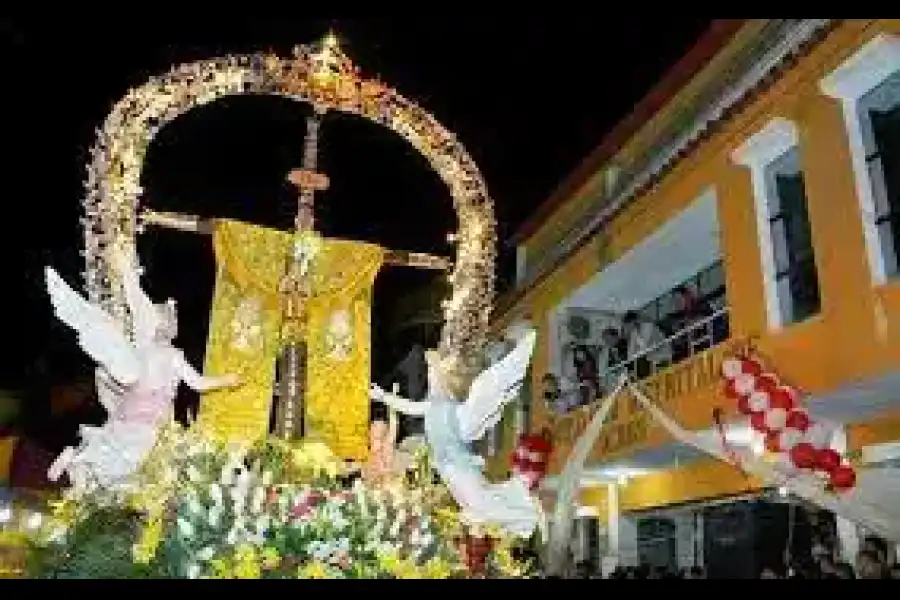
x=638, y=346
x=823, y=562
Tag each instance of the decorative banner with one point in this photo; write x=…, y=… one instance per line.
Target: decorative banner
x=245, y=331
x=245, y=327
x=339, y=346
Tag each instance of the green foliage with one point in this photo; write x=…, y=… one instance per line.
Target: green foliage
x=98, y=547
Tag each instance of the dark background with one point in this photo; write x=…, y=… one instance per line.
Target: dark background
x=528, y=96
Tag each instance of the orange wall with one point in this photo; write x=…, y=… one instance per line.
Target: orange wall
x=856, y=335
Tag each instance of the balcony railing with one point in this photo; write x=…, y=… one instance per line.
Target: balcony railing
x=698, y=337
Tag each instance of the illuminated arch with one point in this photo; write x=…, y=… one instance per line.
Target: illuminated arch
x=323, y=76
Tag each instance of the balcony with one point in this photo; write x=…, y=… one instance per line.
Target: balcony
x=686, y=387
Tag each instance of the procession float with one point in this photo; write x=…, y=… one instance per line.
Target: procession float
x=324, y=493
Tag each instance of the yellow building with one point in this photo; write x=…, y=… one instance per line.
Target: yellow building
x=763, y=173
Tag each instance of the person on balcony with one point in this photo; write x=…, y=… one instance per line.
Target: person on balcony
x=685, y=323
x=647, y=345
x=612, y=354
x=586, y=375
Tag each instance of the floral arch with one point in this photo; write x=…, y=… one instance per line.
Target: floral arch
x=323, y=76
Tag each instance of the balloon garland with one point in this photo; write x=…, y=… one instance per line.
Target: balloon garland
x=531, y=458
x=775, y=412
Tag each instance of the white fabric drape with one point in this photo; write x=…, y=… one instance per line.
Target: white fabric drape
x=874, y=502
x=569, y=483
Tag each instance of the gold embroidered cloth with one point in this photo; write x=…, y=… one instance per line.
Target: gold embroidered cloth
x=245, y=336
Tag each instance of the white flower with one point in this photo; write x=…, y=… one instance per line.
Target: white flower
x=206, y=553
x=226, y=477
x=267, y=478
x=194, y=506
x=259, y=497
x=193, y=474
x=215, y=492
x=34, y=521
x=193, y=571
x=215, y=514
x=232, y=537
x=262, y=524
x=394, y=531
x=185, y=528
x=243, y=479
x=58, y=535
x=6, y=514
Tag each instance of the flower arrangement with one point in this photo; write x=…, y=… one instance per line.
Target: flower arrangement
x=202, y=509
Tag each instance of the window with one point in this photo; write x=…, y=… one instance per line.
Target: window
x=790, y=279
x=868, y=86
x=796, y=279
x=880, y=122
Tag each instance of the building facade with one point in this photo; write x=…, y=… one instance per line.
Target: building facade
x=762, y=178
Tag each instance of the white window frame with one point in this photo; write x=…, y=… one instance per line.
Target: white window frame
x=773, y=141
x=849, y=83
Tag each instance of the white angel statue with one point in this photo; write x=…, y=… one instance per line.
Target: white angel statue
x=450, y=426
x=136, y=382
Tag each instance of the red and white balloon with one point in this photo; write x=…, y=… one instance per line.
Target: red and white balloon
x=531, y=458
x=775, y=412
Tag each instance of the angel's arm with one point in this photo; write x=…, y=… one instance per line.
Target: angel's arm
x=393, y=427
x=198, y=382
x=397, y=403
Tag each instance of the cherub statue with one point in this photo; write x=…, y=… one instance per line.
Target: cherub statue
x=379, y=467
x=136, y=382
x=450, y=426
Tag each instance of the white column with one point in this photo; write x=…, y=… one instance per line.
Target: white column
x=757, y=153
x=621, y=531
x=686, y=539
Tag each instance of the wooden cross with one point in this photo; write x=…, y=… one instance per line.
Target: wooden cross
x=195, y=224
x=307, y=179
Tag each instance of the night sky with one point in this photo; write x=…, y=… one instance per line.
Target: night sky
x=529, y=97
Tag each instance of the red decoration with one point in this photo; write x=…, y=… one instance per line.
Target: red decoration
x=775, y=411
x=530, y=458
x=751, y=366
x=767, y=382
x=475, y=551
x=758, y=422
x=843, y=477
x=797, y=419
x=828, y=460
x=804, y=456
x=730, y=390
x=781, y=397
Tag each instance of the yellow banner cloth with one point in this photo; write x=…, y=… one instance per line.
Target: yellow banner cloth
x=245, y=336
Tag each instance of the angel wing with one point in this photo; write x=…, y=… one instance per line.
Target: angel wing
x=569, y=480
x=99, y=335
x=144, y=315
x=494, y=388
